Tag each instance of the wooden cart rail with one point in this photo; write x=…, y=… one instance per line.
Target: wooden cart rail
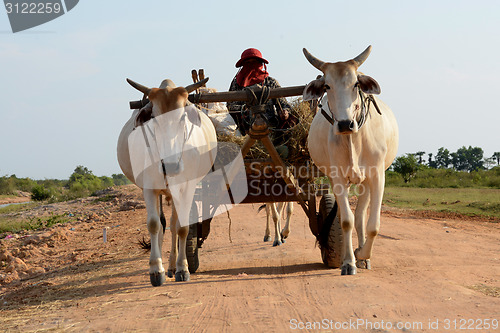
x=230, y=96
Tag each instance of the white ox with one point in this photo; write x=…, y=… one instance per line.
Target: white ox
x=350, y=153
x=203, y=138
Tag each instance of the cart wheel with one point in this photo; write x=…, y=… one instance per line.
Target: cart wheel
x=192, y=243
x=330, y=237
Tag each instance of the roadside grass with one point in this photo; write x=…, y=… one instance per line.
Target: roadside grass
x=466, y=201
x=19, y=207
x=11, y=223
x=487, y=290
x=17, y=224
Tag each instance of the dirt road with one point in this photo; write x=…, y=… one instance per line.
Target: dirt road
x=429, y=275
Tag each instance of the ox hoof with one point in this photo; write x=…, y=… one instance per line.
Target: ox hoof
x=283, y=238
x=277, y=243
x=267, y=238
x=171, y=273
x=348, y=270
x=157, y=278
x=365, y=264
x=182, y=276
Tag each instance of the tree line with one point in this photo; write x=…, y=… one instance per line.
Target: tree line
x=81, y=183
x=465, y=159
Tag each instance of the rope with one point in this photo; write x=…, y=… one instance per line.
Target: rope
x=253, y=100
x=365, y=108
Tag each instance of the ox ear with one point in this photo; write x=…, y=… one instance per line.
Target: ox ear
x=368, y=84
x=314, y=89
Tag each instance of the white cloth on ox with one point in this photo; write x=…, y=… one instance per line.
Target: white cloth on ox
x=156, y=148
x=176, y=148
x=224, y=124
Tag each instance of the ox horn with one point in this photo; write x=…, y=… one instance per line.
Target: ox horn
x=362, y=57
x=194, y=86
x=140, y=87
x=313, y=60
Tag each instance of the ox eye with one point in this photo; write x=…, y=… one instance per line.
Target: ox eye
x=327, y=87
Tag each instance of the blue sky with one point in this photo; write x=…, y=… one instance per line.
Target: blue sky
x=64, y=97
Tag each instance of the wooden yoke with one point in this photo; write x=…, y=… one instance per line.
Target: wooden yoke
x=234, y=96
x=230, y=96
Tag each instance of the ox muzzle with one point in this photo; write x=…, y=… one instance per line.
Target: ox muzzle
x=347, y=126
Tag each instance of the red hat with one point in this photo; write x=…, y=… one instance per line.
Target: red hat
x=250, y=53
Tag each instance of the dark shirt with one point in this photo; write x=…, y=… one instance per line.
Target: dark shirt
x=274, y=107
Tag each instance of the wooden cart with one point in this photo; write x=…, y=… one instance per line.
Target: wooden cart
x=271, y=180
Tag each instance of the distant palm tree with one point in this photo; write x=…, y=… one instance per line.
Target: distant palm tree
x=419, y=154
x=496, y=156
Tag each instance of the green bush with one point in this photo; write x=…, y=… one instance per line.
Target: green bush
x=407, y=166
x=120, y=179
x=40, y=193
x=10, y=185
x=7, y=185
x=393, y=178
x=83, y=182
x=106, y=181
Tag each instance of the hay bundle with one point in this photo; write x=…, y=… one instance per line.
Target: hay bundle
x=295, y=138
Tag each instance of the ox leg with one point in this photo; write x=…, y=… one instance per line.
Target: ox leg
x=276, y=218
x=267, y=235
x=286, y=230
x=347, y=224
x=360, y=223
x=373, y=225
x=173, y=250
x=182, y=270
x=156, y=270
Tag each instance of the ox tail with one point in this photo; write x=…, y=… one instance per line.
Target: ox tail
x=146, y=245
x=163, y=220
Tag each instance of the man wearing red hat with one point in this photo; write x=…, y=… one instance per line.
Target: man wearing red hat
x=253, y=71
